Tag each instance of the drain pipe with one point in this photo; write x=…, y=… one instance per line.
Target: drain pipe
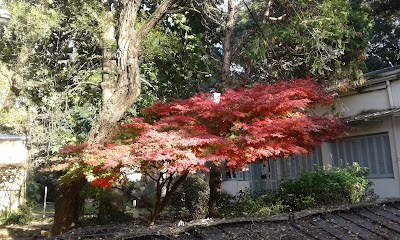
x=394, y=125
x=389, y=90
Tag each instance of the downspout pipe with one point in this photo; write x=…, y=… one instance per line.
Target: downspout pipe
x=394, y=125
x=389, y=90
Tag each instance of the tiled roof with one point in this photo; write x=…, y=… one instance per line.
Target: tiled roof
x=11, y=137
x=375, y=221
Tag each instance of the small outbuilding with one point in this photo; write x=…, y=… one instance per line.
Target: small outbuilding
x=13, y=158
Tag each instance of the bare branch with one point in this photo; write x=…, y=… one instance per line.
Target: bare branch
x=153, y=178
x=155, y=17
x=267, y=13
x=182, y=10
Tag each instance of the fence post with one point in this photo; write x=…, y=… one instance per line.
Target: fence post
x=44, y=201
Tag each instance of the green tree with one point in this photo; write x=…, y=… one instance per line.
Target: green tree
x=290, y=39
x=384, y=46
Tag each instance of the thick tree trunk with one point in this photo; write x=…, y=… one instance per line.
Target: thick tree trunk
x=215, y=189
x=216, y=168
x=111, y=207
x=226, y=64
x=67, y=206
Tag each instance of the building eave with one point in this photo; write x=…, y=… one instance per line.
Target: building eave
x=373, y=115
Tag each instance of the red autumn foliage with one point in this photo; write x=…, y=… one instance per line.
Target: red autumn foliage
x=101, y=182
x=261, y=122
x=266, y=121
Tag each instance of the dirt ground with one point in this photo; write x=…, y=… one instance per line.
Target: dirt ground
x=31, y=231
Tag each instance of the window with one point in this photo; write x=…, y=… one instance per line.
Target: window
x=371, y=151
x=293, y=166
x=230, y=174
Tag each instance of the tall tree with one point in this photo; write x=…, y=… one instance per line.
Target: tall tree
x=130, y=34
x=290, y=39
x=384, y=46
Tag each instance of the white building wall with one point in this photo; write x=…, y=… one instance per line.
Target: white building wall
x=383, y=187
x=232, y=187
x=12, y=185
x=395, y=87
x=362, y=103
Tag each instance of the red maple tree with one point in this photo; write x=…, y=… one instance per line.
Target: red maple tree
x=177, y=138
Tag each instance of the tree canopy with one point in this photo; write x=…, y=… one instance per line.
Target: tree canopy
x=72, y=70
x=180, y=137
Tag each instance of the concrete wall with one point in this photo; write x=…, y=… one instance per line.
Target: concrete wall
x=12, y=173
x=383, y=187
x=381, y=96
x=232, y=187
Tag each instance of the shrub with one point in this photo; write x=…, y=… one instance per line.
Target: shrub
x=22, y=215
x=248, y=204
x=326, y=187
x=190, y=201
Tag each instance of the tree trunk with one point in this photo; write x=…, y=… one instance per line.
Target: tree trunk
x=111, y=207
x=67, y=206
x=226, y=64
x=161, y=204
x=215, y=181
x=215, y=189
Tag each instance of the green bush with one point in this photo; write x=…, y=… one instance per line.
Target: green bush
x=22, y=215
x=190, y=201
x=326, y=187
x=248, y=204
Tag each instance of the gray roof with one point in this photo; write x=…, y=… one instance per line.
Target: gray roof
x=382, y=75
x=359, y=221
x=11, y=137
x=373, y=115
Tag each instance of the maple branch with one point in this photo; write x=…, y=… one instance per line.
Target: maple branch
x=170, y=178
x=148, y=174
x=155, y=17
x=168, y=196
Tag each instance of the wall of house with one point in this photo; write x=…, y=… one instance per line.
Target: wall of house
x=380, y=96
x=395, y=87
x=370, y=99
x=12, y=180
x=376, y=96
x=232, y=187
x=383, y=187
